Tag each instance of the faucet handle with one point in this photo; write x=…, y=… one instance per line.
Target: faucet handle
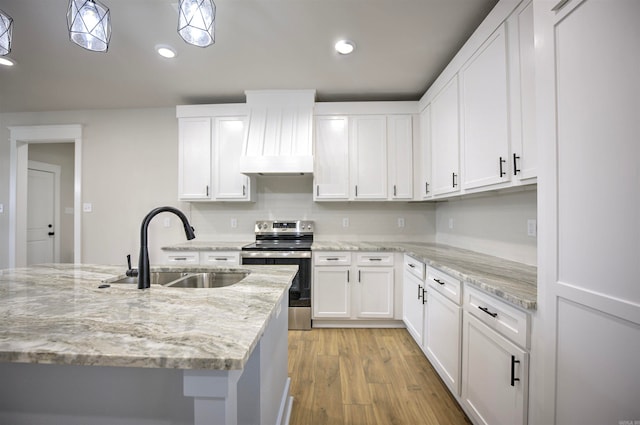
x=130, y=272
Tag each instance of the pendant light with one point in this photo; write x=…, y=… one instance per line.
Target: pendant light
x=89, y=23
x=6, y=28
x=196, y=20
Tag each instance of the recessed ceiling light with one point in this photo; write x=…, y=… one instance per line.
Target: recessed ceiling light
x=7, y=61
x=344, y=47
x=166, y=51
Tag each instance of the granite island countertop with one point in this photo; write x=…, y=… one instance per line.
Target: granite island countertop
x=57, y=314
x=512, y=281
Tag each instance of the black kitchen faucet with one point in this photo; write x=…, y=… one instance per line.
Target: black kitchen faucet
x=144, y=276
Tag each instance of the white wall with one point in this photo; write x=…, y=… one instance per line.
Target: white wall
x=61, y=154
x=494, y=223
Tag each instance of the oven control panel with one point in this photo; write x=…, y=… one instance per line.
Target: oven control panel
x=284, y=226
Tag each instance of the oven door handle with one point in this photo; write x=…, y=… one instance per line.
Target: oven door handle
x=275, y=254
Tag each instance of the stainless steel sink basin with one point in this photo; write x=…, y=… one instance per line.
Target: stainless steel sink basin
x=187, y=279
x=157, y=278
x=209, y=279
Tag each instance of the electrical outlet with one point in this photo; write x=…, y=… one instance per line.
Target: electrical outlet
x=532, y=227
x=87, y=207
x=400, y=221
x=1, y=208
x=167, y=222
x=345, y=222
x=450, y=223
x=234, y=223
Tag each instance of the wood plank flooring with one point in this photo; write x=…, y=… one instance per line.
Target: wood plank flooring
x=366, y=377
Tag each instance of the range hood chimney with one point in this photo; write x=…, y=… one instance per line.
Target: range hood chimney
x=280, y=135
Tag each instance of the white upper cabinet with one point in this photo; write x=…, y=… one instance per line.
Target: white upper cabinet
x=400, y=156
x=422, y=157
x=228, y=137
x=210, y=140
x=368, y=134
x=364, y=151
x=331, y=173
x=524, y=155
x=194, y=158
x=445, y=131
x=485, y=114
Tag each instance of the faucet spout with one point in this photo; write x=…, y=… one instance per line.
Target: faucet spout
x=144, y=276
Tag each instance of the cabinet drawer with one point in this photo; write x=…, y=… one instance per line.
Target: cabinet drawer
x=505, y=319
x=448, y=286
x=375, y=259
x=185, y=257
x=220, y=258
x=414, y=267
x=332, y=258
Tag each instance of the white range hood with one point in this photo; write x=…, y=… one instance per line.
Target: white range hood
x=280, y=134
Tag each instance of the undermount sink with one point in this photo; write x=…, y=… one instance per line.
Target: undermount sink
x=157, y=278
x=184, y=279
x=209, y=279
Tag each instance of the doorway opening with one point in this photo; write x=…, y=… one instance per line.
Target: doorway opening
x=20, y=139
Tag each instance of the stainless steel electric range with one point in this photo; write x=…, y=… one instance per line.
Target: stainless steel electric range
x=287, y=242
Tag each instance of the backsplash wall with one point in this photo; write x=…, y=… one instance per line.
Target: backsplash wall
x=288, y=198
x=495, y=224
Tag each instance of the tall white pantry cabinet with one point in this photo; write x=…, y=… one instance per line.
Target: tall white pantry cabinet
x=587, y=348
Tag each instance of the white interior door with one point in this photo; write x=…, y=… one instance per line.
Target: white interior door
x=40, y=217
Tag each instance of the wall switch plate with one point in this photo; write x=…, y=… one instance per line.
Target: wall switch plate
x=234, y=223
x=532, y=227
x=450, y=223
x=345, y=222
x=87, y=207
x=400, y=221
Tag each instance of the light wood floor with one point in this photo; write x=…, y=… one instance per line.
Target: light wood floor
x=365, y=377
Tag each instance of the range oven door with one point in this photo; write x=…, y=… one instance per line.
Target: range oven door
x=300, y=291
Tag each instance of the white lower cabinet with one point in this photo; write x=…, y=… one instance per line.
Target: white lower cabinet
x=413, y=302
x=364, y=290
x=495, y=371
x=442, y=326
x=175, y=258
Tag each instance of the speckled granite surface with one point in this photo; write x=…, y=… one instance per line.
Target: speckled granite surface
x=509, y=280
x=57, y=314
x=198, y=245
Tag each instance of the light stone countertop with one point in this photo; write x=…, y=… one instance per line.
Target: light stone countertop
x=512, y=281
x=56, y=314
x=198, y=245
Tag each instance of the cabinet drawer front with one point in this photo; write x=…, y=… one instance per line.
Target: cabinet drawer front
x=507, y=320
x=220, y=258
x=374, y=259
x=414, y=267
x=445, y=284
x=182, y=258
x=332, y=258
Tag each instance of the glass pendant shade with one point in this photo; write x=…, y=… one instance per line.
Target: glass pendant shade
x=196, y=20
x=6, y=28
x=89, y=24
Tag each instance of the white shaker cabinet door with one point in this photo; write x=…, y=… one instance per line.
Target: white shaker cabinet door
x=368, y=134
x=374, y=293
x=413, y=306
x=485, y=115
x=332, y=292
x=445, y=139
x=228, y=138
x=331, y=174
x=494, y=375
x=400, y=149
x=194, y=156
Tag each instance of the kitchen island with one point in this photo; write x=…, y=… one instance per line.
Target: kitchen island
x=72, y=352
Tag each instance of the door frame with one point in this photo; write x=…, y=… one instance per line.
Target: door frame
x=19, y=139
x=55, y=169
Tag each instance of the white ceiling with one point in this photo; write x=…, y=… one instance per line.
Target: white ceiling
x=402, y=45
